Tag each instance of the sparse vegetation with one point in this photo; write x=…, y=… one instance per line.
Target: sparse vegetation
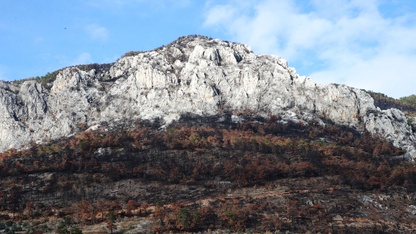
x=181, y=41
x=131, y=53
x=410, y=100
x=49, y=77
x=96, y=66
x=44, y=80
x=406, y=104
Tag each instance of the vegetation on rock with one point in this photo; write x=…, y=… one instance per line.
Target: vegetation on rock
x=406, y=104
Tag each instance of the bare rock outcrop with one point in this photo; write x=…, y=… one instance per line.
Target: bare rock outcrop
x=193, y=74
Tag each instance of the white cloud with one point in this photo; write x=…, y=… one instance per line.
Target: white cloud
x=97, y=32
x=334, y=41
x=220, y=13
x=83, y=58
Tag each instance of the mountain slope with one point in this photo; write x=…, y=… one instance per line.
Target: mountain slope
x=199, y=174
x=200, y=135
x=193, y=74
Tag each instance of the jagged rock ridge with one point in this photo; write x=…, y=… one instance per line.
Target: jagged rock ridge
x=193, y=74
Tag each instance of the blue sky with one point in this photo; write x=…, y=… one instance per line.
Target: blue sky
x=367, y=44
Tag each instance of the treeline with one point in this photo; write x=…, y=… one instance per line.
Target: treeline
x=383, y=101
x=410, y=100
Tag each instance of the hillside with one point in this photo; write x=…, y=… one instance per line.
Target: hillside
x=202, y=135
x=202, y=173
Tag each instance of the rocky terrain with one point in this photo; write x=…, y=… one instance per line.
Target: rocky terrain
x=193, y=74
x=202, y=135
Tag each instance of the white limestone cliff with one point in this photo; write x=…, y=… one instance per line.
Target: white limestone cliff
x=195, y=75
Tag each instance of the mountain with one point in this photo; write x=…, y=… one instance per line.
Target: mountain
x=193, y=74
x=198, y=135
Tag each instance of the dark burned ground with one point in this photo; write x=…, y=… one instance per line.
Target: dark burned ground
x=200, y=176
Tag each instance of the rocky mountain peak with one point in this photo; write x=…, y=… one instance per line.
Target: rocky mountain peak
x=194, y=74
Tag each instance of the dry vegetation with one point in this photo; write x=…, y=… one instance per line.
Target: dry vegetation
x=201, y=174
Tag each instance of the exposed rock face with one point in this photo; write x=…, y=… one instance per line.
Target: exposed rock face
x=191, y=75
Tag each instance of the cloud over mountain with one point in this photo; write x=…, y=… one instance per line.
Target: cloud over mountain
x=358, y=43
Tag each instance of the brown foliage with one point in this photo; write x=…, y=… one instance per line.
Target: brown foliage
x=243, y=155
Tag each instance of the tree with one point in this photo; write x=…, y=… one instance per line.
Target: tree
x=131, y=205
x=143, y=207
x=184, y=219
x=84, y=209
x=111, y=220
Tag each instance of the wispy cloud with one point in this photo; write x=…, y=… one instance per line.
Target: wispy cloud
x=97, y=32
x=333, y=41
x=83, y=58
